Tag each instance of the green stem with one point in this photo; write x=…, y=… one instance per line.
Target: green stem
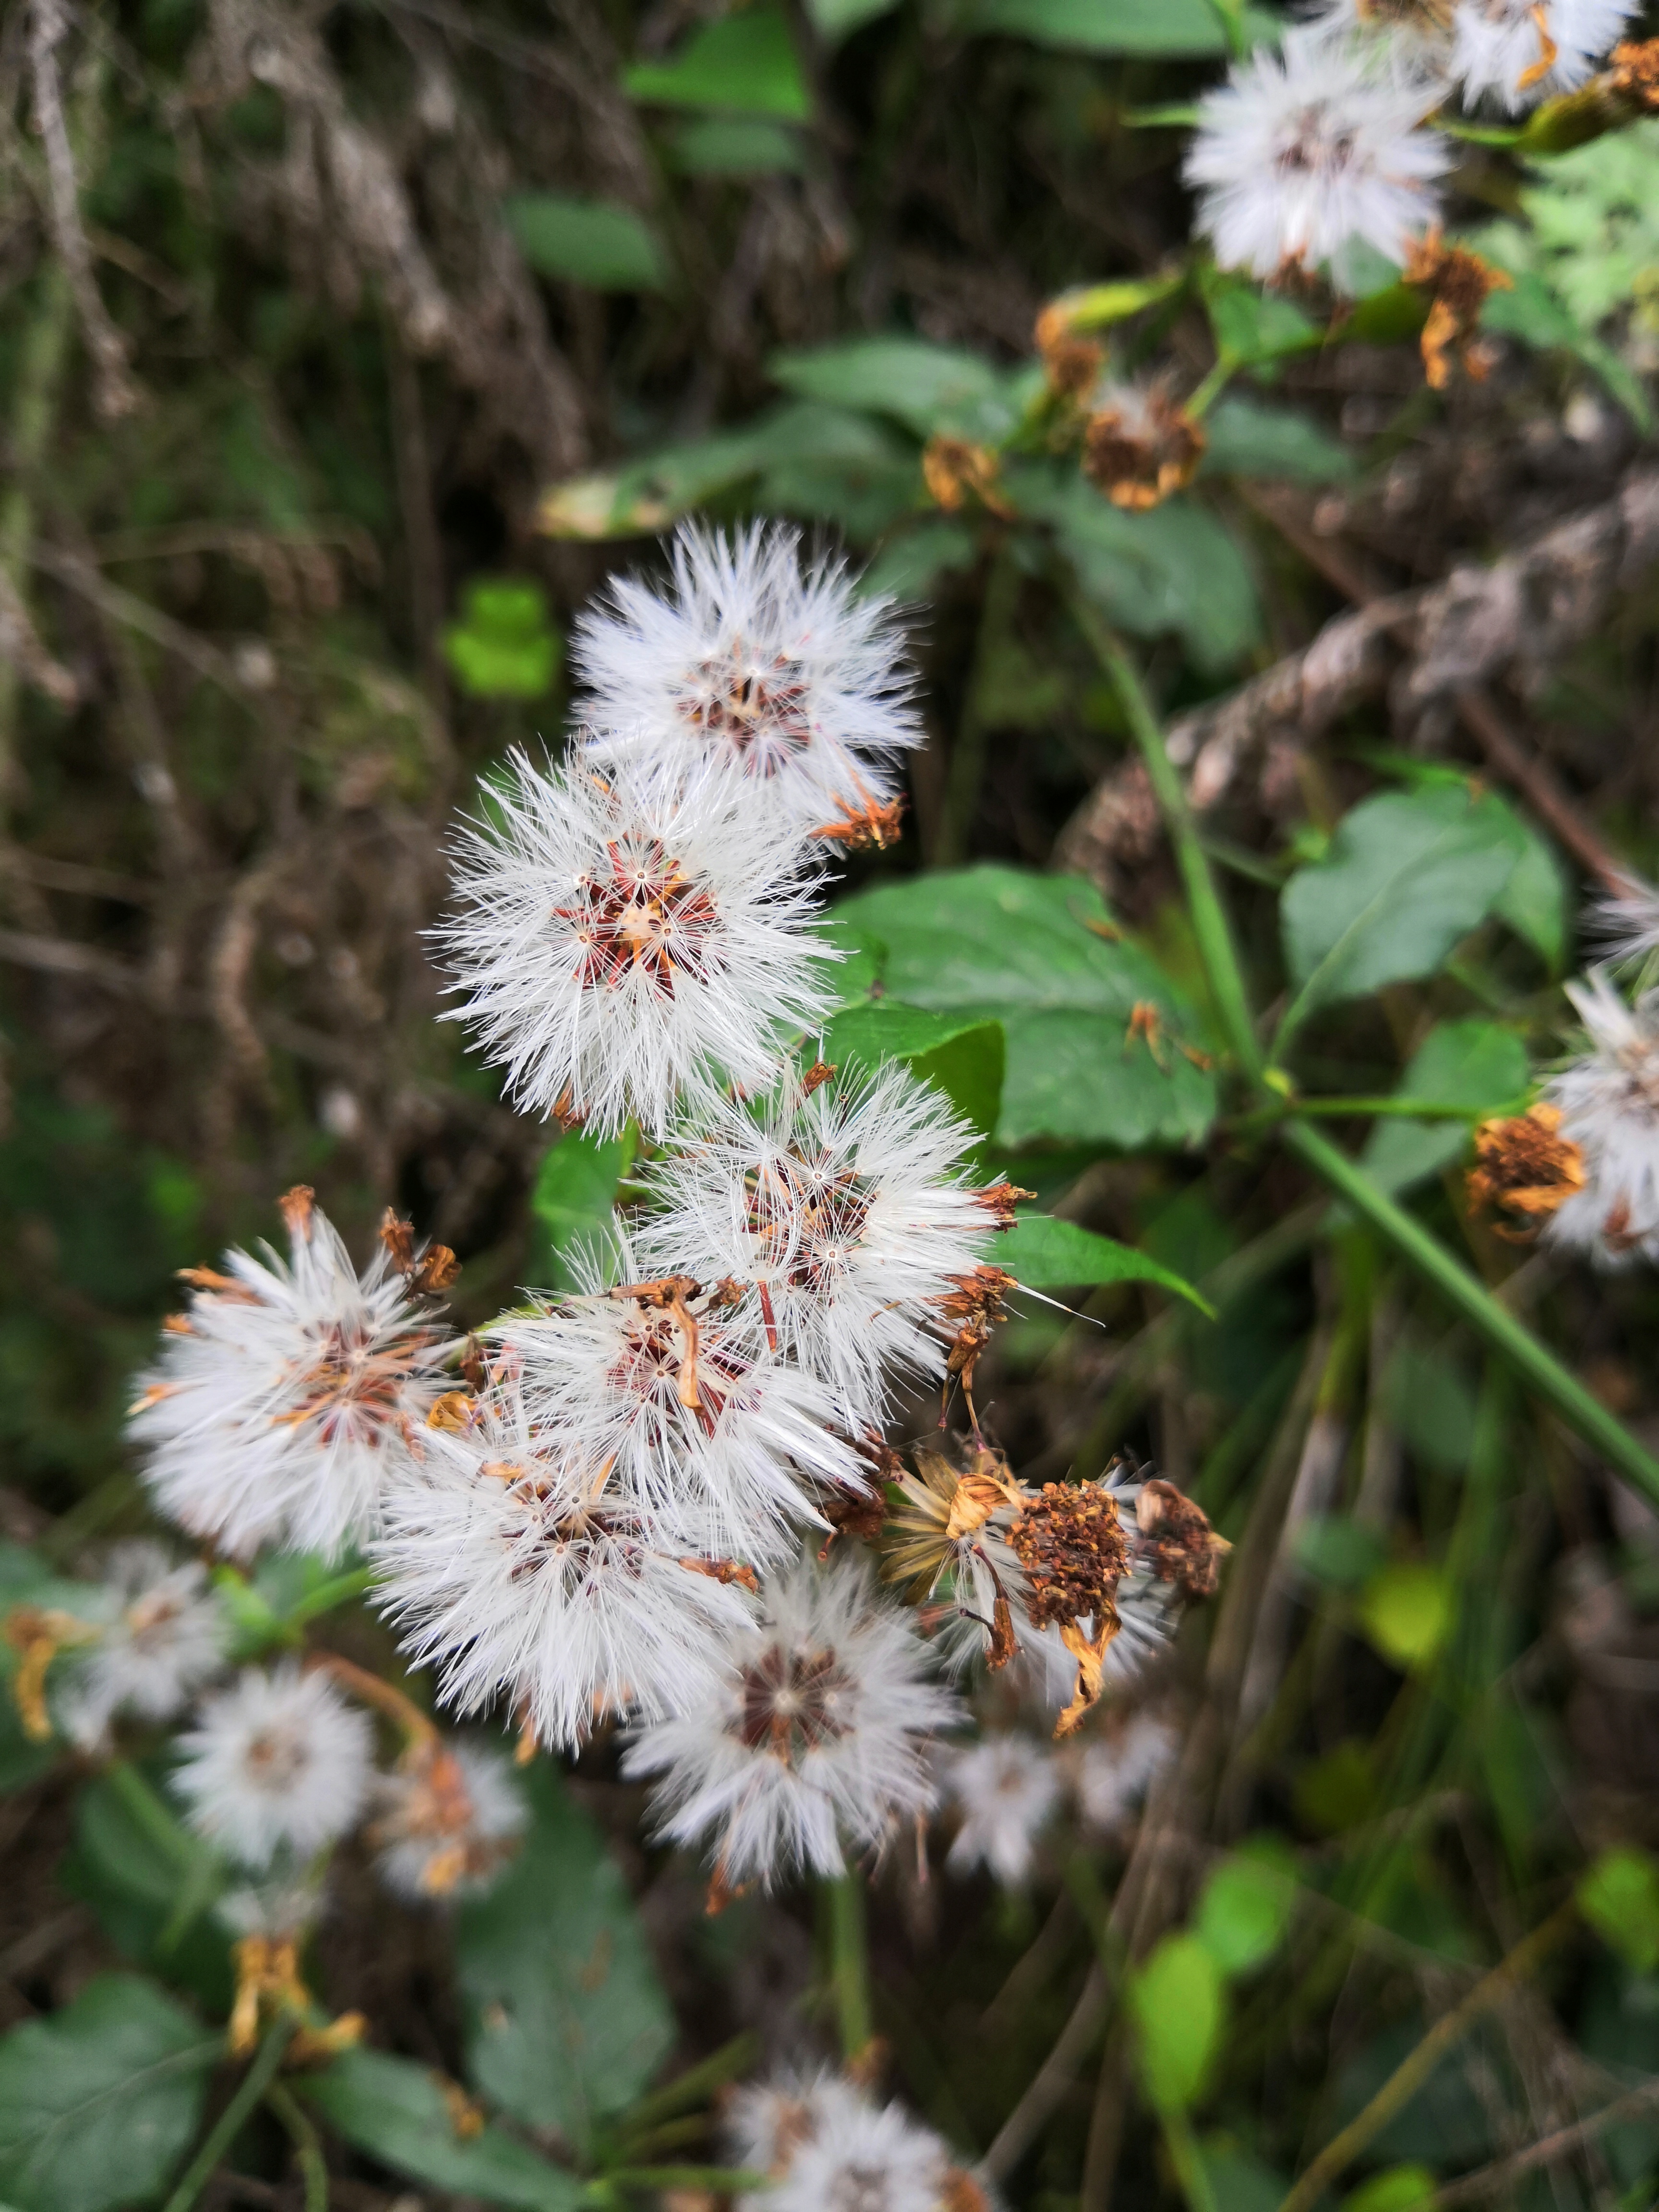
x=253, y=2087
x=1410, y=1110
x=1187, y=2161
x=1538, y=1367
x=1210, y=924
x=849, y=1962
x=307, y=2145
x=1213, y=385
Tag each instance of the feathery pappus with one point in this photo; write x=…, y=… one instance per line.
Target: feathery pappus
x=817, y=1742
x=279, y=1763
x=830, y=2147
x=1518, y=53
x=448, y=1821
x=1304, y=149
x=1005, y=1792
x=518, y=1566
x=167, y=1638
x=838, y=1209
x=758, y=662
x=1608, y=1103
x=699, y=1427
x=287, y=1390
x=622, y=936
x=1116, y=1771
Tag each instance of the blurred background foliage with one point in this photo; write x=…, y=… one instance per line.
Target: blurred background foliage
x=392, y=328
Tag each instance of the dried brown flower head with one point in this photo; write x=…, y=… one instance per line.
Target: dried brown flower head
x=1139, y=446
x=1524, y=1166
x=1177, y=1541
x=955, y=469
x=1635, y=71
x=1072, y=1552
x=1459, y=284
x=1071, y=362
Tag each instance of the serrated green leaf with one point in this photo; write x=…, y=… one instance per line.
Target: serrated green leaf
x=744, y=63
x=1176, y=2001
x=99, y=2103
x=962, y=1055
x=565, y=2021
x=401, y=2114
x=1054, y=1255
x=573, y=1202
x=1040, y=955
x=1474, y=1064
x=598, y=243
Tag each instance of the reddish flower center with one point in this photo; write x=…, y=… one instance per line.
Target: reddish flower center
x=760, y=713
x=645, y=916
x=792, y=1701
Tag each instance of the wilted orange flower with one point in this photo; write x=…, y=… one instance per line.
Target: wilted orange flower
x=1141, y=445
x=1459, y=284
x=1523, y=1166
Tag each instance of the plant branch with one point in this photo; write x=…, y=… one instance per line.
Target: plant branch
x=1498, y=2179
x=849, y=1962
x=308, y=2146
x=254, y=2085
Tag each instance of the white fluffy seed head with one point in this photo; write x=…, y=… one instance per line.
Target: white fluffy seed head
x=817, y=1740
x=621, y=937
x=755, y=661
x=1609, y=1103
x=280, y=1764
x=286, y=1393
x=1116, y=1772
x=1627, y=921
x=1517, y=52
x=1304, y=151
x=830, y=2148
x=1005, y=1790
x=844, y=1213
x=699, y=1427
x=167, y=1637
x=448, y=1822
x=523, y=1569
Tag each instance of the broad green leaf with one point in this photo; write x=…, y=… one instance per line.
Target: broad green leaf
x=1041, y=955
x=1251, y=327
x=909, y=565
x=1054, y=1255
x=962, y=1055
x=1246, y=1907
x=598, y=243
x=1533, y=313
x=1534, y=901
x=565, y=2019
x=1176, y=2000
x=98, y=2102
x=1620, y=1898
x=736, y=146
x=744, y=63
x=573, y=1202
x=1474, y=1064
x=404, y=2115
x=1248, y=440
x=1396, y=2189
x=1179, y=28
x=503, y=647
x=1336, y=1550
x=1407, y=876
x=1407, y=1611
x=927, y=387
x=1174, y=569
x=152, y=1883
x=1238, y=2182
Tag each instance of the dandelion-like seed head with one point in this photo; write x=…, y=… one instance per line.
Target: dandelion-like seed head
x=1005, y=1790
x=1518, y=53
x=277, y=1763
x=830, y=2147
x=167, y=1638
x=1117, y=1771
x=625, y=937
x=287, y=1391
x=1304, y=151
x=755, y=661
x=1608, y=1103
x=448, y=1822
x=817, y=1741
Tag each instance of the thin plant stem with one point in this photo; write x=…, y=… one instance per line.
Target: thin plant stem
x=251, y=2091
x=307, y=2145
x=849, y=1962
x=1187, y=2161
x=1415, y=2069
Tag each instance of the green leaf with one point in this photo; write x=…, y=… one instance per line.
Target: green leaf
x=1041, y=955
x=572, y=1203
x=1180, y=28
x=98, y=2102
x=1246, y=1907
x=401, y=2113
x=1248, y=440
x=838, y=19
x=598, y=243
x=909, y=565
x=1176, y=2000
x=1054, y=1255
x=927, y=387
x=1407, y=875
x=961, y=1054
x=1620, y=1898
x=151, y=1882
x=1337, y=1551
x=1473, y=1064
x=1250, y=326
x=503, y=648
x=744, y=63
x=1407, y=1611
x=736, y=146
x=565, y=2019
x=1535, y=900
x=1397, y=2189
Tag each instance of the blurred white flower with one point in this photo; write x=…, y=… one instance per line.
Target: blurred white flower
x=280, y=1910
x=285, y=1392
x=518, y=1571
x=447, y=1822
x=1005, y=1789
x=831, y=2149
x=622, y=937
x=1116, y=1772
x=1521, y=51
x=1305, y=149
x=167, y=1636
x=1609, y=1103
x=841, y=1210
x=1628, y=919
x=755, y=662
x=698, y=1427
x=280, y=1763
x=815, y=1741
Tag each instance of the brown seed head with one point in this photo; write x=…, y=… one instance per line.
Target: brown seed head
x=1137, y=449
x=955, y=469
x=1459, y=284
x=1524, y=1166
x=1073, y=1551
x=1177, y=1539
x=1635, y=72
